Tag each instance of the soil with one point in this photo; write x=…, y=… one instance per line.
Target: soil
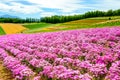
x=5, y=74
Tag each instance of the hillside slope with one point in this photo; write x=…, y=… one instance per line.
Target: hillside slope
x=78, y=24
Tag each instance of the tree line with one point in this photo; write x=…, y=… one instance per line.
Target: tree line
x=90, y=14
x=61, y=18
x=18, y=20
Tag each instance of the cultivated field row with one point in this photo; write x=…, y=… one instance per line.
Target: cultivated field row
x=91, y=54
x=12, y=28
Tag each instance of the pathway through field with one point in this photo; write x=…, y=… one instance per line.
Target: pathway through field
x=12, y=28
x=4, y=73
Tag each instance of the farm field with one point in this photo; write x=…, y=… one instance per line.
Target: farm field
x=59, y=40
x=87, y=54
x=78, y=24
x=47, y=27
x=9, y=28
x=36, y=27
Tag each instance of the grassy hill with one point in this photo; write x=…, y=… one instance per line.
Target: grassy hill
x=78, y=24
x=47, y=27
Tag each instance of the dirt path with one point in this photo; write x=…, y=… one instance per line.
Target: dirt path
x=4, y=73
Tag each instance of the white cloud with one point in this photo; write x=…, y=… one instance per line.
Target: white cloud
x=47, y=14
x=106, y=5
x=28, y=9
x=18, y=8
x=61, y=6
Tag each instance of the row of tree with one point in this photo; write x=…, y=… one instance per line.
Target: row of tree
x=61, y=19
x=90, y=14
x=18, y=20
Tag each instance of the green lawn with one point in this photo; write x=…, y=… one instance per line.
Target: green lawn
x=1, y=31
x=78, y=24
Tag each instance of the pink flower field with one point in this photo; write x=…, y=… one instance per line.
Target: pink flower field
x=90, y=54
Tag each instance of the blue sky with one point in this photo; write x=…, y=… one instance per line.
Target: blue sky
x=42, y=8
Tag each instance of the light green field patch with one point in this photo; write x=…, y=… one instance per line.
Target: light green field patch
x=1, y=31
x=36, y=27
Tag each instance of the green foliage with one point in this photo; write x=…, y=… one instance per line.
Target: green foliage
x=90, y=14
x=1, y=31
x=18, y=20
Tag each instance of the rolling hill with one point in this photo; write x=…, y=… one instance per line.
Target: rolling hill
x=77, y=24
x=47, y=27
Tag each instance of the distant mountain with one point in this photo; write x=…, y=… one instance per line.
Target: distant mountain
x=9, y=16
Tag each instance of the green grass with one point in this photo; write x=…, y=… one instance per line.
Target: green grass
x=78, y=24
x=33, y=27
x=1, y=31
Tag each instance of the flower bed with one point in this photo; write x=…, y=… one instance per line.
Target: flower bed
x=91, y=54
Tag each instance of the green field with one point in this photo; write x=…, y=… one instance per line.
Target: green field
x=78, y=24
x=1, y=31
x=33, y=27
